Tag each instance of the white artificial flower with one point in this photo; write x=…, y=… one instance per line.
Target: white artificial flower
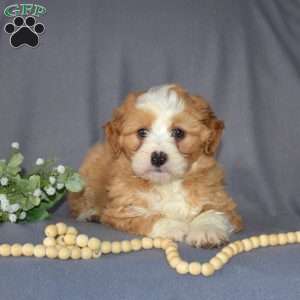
x=61, y=169
x=12, y=218
x=4, y=181
x=39, y=162
x=37, y=193
x=4, y=203
x=22, y=215
x=60, y=186
x=52, y=179
x=15, y=145
x=50, y=191
x=13, y=208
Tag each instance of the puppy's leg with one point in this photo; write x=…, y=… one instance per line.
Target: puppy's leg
x=209, y=229
x=87, y=204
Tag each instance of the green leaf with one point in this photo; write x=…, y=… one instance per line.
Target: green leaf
x=34, y=182
x=74, y=183
x=37, y=214
x=15, y=160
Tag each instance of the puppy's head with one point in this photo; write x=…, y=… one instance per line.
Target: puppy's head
x=163, y=131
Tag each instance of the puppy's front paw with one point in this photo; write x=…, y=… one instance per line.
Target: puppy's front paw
x=171, y=229
x=208, y=236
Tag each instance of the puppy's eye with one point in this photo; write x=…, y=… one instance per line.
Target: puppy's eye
x=177, y=133
x=142, y=133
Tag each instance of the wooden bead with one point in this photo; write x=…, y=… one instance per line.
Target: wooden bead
x=39, y=251
x=94, y=243
x=298, y=236
x=234, y=248
x=171, y=249
x=247, y=245
x=182, y=267
x=60, y=240
x=171, y=255
x=72, y=230
x=263, y=240
x=216, y=262
x=51, y=231
x=27, y=249
x=126, y=246
x=157, y=243
x=228, y=250
x=70, y=239
x=75, y=253
x=116, y=247
x=223, y=257
x=147, y=243
x=61, y=228
x=195, y=268
x=255, y=241
x=207, y=269
x=165, y=243
x=5, y=250
x=273, y=239
x=96, y=253
x=16, y=250
x=49, y=241
x=64, y=253
x=174, y=262
x=82, y=240
x=136, y=244
x=282, y=239
x=291, y=237
x=86, y=253
x=105, y=247
x=239, y=245
x=51, y=252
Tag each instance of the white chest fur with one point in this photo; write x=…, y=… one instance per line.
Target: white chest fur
x=171, y=201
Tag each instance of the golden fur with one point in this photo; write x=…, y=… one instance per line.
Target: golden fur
x=113, y=191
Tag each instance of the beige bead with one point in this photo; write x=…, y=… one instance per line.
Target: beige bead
x=195, y=268
x=5, y=250
x=223, y=257
x=207, y=269
x=106, y=247
x=64, y=253
x=171, y=249
x=273, y=239
x=298, y=236
x=147, y=243
x=75, y=253
x=70, y=239
x=247, y=245
x=228, y=250
x=72, y=230
x=255, y=241
x=234, y=248
x=165, y=243
x=16, y=250
x=217, y=263
x=51, y=252
x=94, y=243
x=171, y=255
x=39, y=251
x=60, y=240
x=126, y=246
x=61, y=228
x=82, y=240
x=240, y=246
x=174, y=262
x=116, y=247
x=182, y=267
x=49, y=241
x=96, y=253
x=86, y=253
x=136, y=244
x=157, y=243
x=292, y=237
x=282, y=238
x=58, y=247
x=51, y=231
x=27, y=249
x=264, y=240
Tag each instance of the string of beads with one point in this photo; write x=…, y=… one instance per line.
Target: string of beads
x=65, y=242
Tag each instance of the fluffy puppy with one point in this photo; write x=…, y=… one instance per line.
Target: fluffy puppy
x=156, y=174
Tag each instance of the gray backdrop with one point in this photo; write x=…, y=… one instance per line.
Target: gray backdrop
x=243, y=56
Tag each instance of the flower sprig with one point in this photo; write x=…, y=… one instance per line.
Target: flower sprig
x=28, y=196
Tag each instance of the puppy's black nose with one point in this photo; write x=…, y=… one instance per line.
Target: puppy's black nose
x=158, y=158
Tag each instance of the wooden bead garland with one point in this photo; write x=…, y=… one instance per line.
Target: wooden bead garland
x=64, y=242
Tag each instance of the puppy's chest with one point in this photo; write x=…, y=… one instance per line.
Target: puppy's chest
x=171, y=201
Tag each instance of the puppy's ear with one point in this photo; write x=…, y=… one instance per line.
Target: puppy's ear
x=216, y=130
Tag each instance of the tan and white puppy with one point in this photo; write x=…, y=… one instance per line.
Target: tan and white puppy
x=156, y=174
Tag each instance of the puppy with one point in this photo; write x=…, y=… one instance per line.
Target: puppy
x=156, y=174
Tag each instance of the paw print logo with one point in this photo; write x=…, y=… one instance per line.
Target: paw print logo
x=24, y=31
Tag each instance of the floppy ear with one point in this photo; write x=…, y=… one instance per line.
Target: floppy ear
x=216, y=129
